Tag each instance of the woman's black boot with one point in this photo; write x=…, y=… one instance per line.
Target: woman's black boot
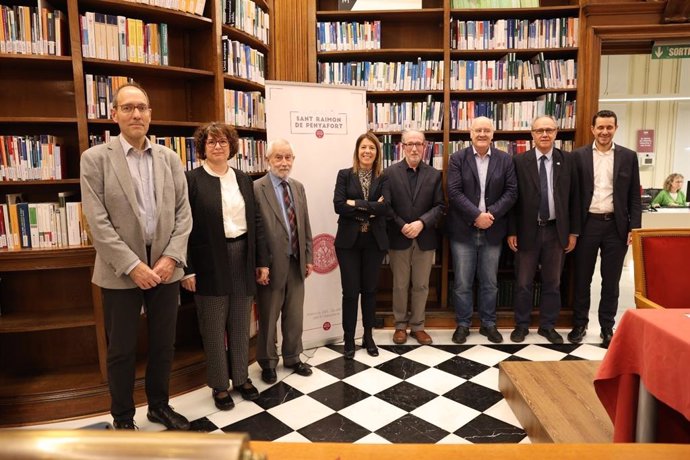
x=349, y=348
x=368, y=343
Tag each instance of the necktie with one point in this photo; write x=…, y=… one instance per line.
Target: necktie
x=292, y=219
x=544, y=186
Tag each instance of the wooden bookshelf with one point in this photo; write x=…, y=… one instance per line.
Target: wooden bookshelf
x=407, y=35
x=52, y=336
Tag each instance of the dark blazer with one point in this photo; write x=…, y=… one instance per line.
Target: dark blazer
x=207, y=256
x=277, y=234
x=627, y=205
x=366, y=209
x=424, y=203
x=522, y=221
x=464, y=192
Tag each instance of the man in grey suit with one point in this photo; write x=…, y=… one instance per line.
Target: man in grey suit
x=134, y=197
x=417, y=206
x=283, y=205
x=542, y=227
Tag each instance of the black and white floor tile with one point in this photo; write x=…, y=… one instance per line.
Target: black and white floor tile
x=442, y=393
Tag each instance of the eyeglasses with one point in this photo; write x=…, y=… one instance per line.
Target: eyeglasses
x=541, y=131
x=129, y=108
x=411, y=145
x=212, y=143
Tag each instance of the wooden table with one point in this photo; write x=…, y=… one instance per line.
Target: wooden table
x=652, y=347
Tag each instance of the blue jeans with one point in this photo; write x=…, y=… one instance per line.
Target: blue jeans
x=480, y=258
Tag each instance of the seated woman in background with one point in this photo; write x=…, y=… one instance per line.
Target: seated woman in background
x=671, y=195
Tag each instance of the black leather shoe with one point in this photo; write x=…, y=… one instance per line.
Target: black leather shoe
x=248, y=391
x=606, y=336
x=519, y=334
x=550, y=334
x=301, y=368
x=370, y=346
x=269, y=376
x=223, y=400
x=350, y=349
x=460, y=334
x=165, y=415
x=125, y=425
x=491, y=333
x=577, y=334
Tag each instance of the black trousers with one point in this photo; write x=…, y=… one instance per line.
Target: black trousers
x=550, y=254
x=359, y=276
x=598, y=235
x=122, y=308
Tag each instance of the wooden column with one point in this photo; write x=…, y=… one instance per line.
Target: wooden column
x=292, y=39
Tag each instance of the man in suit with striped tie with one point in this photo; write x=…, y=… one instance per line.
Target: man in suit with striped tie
x=283, y=205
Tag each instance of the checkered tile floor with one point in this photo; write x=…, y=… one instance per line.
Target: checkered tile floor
x=443, y=393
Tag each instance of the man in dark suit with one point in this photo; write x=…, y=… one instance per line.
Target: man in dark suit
x=481, y=191
x=611, y=208
x=283, y=205
x=417, y=206
x=542, y=227
x=134, y=196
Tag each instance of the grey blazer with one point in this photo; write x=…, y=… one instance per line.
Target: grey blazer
x=110, y=207
x=277, y=235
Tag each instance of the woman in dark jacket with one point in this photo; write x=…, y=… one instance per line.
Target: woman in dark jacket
x=227, y=256
x=361, y=200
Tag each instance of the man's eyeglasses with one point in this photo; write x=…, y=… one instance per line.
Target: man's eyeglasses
x=541, y=131
x=213, y=143
x=411, y=145
x=129, y=108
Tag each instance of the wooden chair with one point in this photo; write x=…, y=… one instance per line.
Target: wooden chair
x=662, y=259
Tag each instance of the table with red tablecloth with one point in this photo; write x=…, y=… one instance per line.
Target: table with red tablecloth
x=652, y=345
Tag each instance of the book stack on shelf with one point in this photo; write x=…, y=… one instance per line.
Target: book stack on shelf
x=118, y=38
x=348, y=36
x=243, y=61
x=25, y=158
x=31, y=30
x=424, y=115
x=41, y=225
x=248, y=17
x=185, y=6
x=475, y=4
x=419, y=75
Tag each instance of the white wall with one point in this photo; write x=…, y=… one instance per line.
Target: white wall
x=637, y=75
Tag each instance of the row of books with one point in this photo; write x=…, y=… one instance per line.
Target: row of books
x=28, y=30
x=30, y=158
x=117, y=38
x=396, y=116
x=185, y=6
x=248, y=17
x=347, y=36
x=42, y=225
x=513, y=147
x=249, y=158
x=100, y=90
x=384, y=76
x=245, y=109
x=474, y=4
x=251, y=155
x=240, y=60
x=514, y=33
x=393, y=152
x=514, y=116
x=510, y=73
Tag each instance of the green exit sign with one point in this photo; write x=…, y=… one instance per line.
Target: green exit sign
x=670, y=51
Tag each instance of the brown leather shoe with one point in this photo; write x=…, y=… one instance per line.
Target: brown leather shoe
x=400, y=336
x=422, y=337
